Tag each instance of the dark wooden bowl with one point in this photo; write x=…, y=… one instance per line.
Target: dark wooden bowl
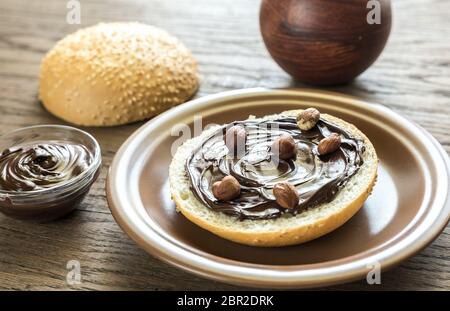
x=324, y=42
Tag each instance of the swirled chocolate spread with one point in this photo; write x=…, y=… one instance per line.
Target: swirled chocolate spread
x=317, y=178
x=42, y=165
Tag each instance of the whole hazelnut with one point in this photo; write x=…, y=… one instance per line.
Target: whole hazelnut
x=284, y=147
x=226, y=189
x=286, y=195
x=329, y=144
x=235, y=140
x=308, y=118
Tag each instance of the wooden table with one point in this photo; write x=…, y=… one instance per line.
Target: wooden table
x=412, y=77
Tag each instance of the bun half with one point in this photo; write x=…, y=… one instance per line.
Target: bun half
x=287, y=229
x=116, y=73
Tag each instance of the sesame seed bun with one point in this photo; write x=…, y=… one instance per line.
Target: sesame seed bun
x=116, y=73
x=286, y=229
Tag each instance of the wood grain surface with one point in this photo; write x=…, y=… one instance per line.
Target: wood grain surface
x=412, y=77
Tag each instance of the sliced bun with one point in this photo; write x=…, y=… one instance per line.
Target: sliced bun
x=116, y=73
x=285, y=230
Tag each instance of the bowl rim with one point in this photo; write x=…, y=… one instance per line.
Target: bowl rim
x=93, y=166
x=132, y=219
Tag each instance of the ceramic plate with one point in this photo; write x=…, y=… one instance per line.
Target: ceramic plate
x=409, y=206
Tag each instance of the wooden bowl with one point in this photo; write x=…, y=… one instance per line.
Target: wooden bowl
x=324, y=42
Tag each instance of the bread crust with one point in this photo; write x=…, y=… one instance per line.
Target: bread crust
x=116, y=73
x=297, y=234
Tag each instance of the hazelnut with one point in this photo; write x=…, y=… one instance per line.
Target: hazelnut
x=308, y=118
x=235, y=139
x=284, y=147
x=286, y=195
x=329, y=144
x=226, y=189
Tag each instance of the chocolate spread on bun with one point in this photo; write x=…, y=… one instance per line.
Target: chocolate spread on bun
x=326, y=156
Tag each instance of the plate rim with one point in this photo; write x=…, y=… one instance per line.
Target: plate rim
x=247, y=275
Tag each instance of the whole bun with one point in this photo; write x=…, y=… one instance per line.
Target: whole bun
x=116, y=73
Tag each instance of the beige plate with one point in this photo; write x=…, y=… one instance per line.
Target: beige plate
x=409, y=206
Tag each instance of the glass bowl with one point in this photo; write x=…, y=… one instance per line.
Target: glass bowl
x=54, y=202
